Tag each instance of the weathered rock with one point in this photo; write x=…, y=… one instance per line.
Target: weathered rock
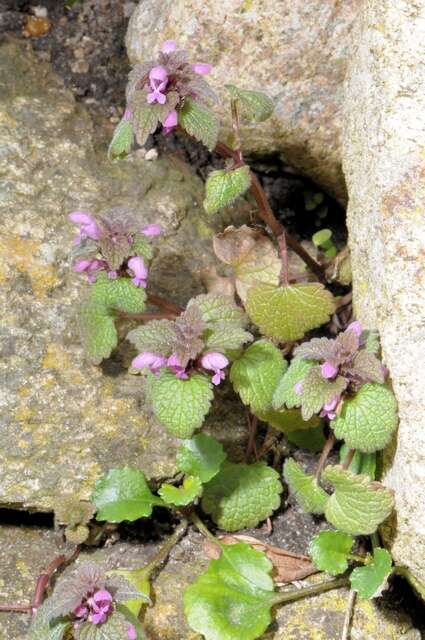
x=64, y=421
x=384, y=150
x=25, y=552
x=296, y=51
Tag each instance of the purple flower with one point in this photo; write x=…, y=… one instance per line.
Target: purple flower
x=151, y=230
x=158, y=79
x=169, y=46
x=356, y=327
x=202, y=68
x=88, y=226
x=175, y=365
x=128, y=115
x=81, y=611
x=89, y=266
x=100, y=605
x=328, y=370
x=170, y=121
x=328, y=410
x=149, y=360
x=216, y=362
x=131, y=632
x=112, y=275
x=140, y=271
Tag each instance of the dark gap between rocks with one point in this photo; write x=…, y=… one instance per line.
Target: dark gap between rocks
x=17, y=517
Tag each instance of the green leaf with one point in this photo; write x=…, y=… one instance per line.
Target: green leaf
x=233, y=598
x=369, y=581
x=41, y=627
x=156, y=336
x=115, y=628
x=133, y=619
x=224, y=186
x=310, y=496
x=358, y=504
x=122, y=140
x=367, y=421
x=123, y=494
x=225, y=336
x=181, y=405
x=142, y=247
x=289, y=420
x=256, y=374
x=310, y=439
x=285, y=393
x=287, y=313
x=202, y=456
x=145, y=121
x=330, y=551
x=242, y=495
x=181, y=496
x=316, y=391
x=217, y=309
x=139, y=579
x=255, y=106
x=199, y=122
x=364, y=463
x=97, y=325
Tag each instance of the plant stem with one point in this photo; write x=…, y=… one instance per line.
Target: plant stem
x=253, y=424
x=348, y=459
x=356, y=558
x=203, y=529
x=236, y=125
x=313, y=590
x=164, y=551
x=324, y=455
x=348, y=615
x=17, y=608
x=167, y=305
x=145, y=317
x=284, y=271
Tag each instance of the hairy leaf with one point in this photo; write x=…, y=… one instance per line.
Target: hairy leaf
x=226, y=336
x=188, y=328
x=330, y=551
x=224, y=186
x=156, y=336
x=364, y=463
x=199, y=122
x=123, y=494
x=42, y=629
x=289, y=420
x=139, y=579
x=368, y=368
x=181, y=405
x=367, y=421
x=181, y=496
x=115, y=628
x=242, y=495
x=287, y=313
x=201, y=456
x=316, y=391
x=358, y=505
x=285, y=392
x=369, y=581
x=145, y=121
x=311, y=497
x=122, y=140
x=96, y=315
x=255, y=106
x=233, y=598
x=142, y=247
x=216, y=308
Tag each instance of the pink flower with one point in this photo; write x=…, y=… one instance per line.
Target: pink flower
x=175, y=365
x=140, y=271
x=170, y=121
x=216, y=362
x=328, y=370
x=131, y=632
x=128, y=115
x=158, y=79
x=169, y=46
x=149, y=360
x=89, y=267
x=100, y=605
x=88, y=226
x=81, y=611
x=202, y=68
x=151, y=230
x=112, y=275
x=328, y=408
x=298, y=388
x=356, y=327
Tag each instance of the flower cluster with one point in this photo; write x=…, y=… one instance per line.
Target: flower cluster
x=113, y=244
x=211, y=361
x=164, y=84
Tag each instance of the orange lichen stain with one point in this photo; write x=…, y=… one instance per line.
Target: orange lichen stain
x=20, y=253
x=56, y=357
x=23, y=444
x=35, y=27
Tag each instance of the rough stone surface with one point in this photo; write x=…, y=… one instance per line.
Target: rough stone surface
x=295, y=51
x=63, y=421
x=24, y=553
x=384, y=151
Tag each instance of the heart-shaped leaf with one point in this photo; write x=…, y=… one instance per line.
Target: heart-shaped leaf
x=330, y=551
x=316, y=391
x=287, y=393
x=202, y=456
x=198, y=121
x=255, y=106
x=369, y=581
x=122, y=140
x=311, y=497
x=181, y=496
x=224, y=186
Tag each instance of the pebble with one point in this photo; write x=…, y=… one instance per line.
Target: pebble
x=152, y=154
x=39, y=12
x=80, y=66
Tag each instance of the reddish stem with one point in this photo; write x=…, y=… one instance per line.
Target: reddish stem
x=164, y=304
x=324, y=455
x=236, y=130
x=348, y=459
x=284, y=272
x=253, y=424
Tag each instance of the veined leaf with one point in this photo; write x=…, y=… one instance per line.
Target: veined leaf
x=316, y=391
x=115, y=628
x=233, y=598
x=142, y=247
x=139, y=579
x=225, y=336
x=181, y=496
x=367, y=421
x=156, y=336
x=255, y=106
x=330, y=551
x=123, y=494
x=289, y=420
x=242, y=495
x=41, y=627
x=224, y=186
x=363, y=463
x=202, y=456
x=181, y=405
x=198, y=121
x=358, y=505
x=287, y=313
x=218, y=309
x=285, y=392
x=122, y=140
x=256, y=374
x=310, y=496
x=369, y=581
